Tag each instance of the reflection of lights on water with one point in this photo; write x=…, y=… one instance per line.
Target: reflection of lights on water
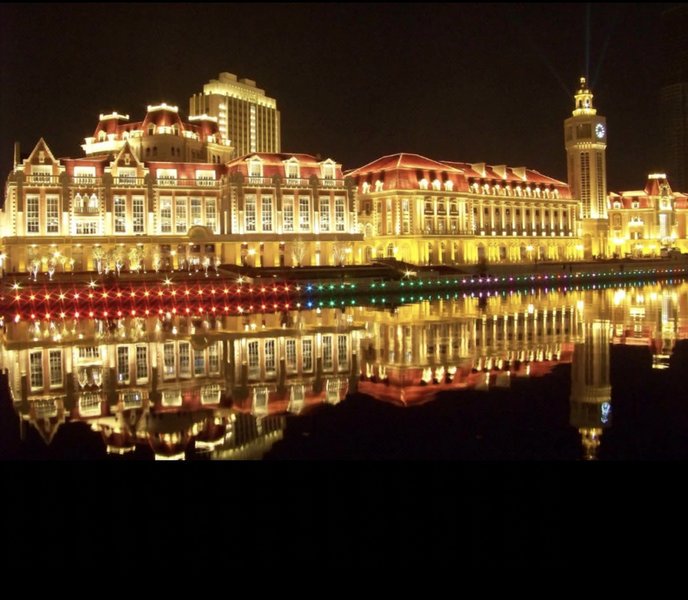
x=606, y=410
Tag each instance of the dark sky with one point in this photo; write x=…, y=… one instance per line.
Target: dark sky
x=467, y=82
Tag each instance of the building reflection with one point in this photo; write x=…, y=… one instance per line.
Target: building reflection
x=223, y=387
x=175, y=384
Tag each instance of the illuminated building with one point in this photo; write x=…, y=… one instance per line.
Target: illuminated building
x=162, y=194
x=424, y=211
x=643, y=222
x=245, y=115
x=585, y=134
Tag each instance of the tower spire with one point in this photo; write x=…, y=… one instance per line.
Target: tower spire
x=583, y=100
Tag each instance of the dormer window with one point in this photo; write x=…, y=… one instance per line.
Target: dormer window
x=206, y=178
x=448, y=185
x=617, y=204
x=255, y=167
x=102, y=136
x=41, y=156
x=291, y=169
x=365, y=187
x=151, y=129
x=635, y=204
x=555, y=193
x=423, y=183
x=327, y=170
x=475, y=187
x=378, y=186
x=84, y=175
x=436, y=185
x=167, y=176
x=175, y=129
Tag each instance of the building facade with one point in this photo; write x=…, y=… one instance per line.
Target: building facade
x=163, y=194
x=424, y=211
x=245, y=115
x=650, y=221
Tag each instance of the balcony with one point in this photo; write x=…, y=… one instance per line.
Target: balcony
x=42, y=179
x=86, y=209
x=295, y=182
x=128, y=181
x=255, y=180
x=174, y=182
x=85, y=180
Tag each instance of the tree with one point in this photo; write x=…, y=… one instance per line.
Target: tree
x=98, y=254
x=135, y=257
x=298, y=252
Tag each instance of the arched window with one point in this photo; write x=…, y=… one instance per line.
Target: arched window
x=151, y=129
x=436, y=185
x=449, y=185
x=378, y=186
x=101, y=136
x=365, y=187
x=423, y=183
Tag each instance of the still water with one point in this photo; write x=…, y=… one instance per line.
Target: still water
x=539, y=374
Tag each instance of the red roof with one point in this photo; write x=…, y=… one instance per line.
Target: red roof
x=405, y=171
x=273, y=164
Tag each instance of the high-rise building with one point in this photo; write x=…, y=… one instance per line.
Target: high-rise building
x=586, y=141
x=245, y=115
x=673, y=94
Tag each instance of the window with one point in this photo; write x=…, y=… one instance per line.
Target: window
x=138, y=214
x=210, y=214
x=32, y=214
x=269, y=356
x=266, y=213
x=120, y=214
x=165, y=215
x=184, y=359
x=88, y=352
x=166, y=176
x=253, y=357
x=55, y=361
x=122, y=364
x=196, y=213
x=307, y=355
x=52, y=215
x=324, y=213
x=339, y=218
x=292, y=169
x=168, y=359
x=327, y=352
x=288, y=214
x=342, y=351
x=423, y=184
x=327, y=171
x=205, y=178
x=304, y=213
x=213, y=359
x=585, y=183
x=36, y=369
x=405, y=216
x=84, y=175
x=255, y=168
x=180, y=216
x=87, y=228
x=250, y=213
x=141, y=362
x=290, y=350
x=199, y=362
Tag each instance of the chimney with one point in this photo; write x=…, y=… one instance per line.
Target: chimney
x=17, y=154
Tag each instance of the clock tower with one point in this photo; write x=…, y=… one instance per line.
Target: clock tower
x=585, y=135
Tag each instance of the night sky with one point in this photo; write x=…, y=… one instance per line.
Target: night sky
x=467, y=82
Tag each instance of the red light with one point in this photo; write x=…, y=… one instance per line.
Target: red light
x=33, y=316
x=133, y=312
x=90, y=313
x=105, y=313
x=76, y=314
x=119, y=313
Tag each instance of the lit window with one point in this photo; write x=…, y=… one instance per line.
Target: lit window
x=423, y=184
x=378, y=186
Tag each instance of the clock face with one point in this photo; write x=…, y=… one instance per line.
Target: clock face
x=599, y=130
